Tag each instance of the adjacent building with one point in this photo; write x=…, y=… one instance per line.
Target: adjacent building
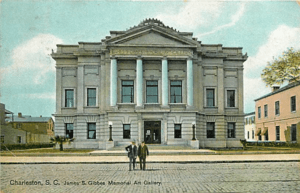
x=149, y=83
x=250, y=126
x=22, y=129
x=278, y=114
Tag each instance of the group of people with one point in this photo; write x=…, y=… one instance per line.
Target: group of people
x=142, y=152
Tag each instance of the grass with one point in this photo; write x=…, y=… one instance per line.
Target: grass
x=261, y=149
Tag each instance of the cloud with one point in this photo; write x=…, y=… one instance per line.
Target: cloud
x=49, y=95
x=31, y=61
x=193, y=14
x=234, y=19
x=277, y=42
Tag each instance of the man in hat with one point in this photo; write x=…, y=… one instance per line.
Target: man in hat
x=143, y=152
x=132, y=154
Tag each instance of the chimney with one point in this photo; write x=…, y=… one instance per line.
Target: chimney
x=275, y=87
x=19, y=114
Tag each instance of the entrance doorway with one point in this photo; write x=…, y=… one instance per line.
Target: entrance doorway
x=152, y=132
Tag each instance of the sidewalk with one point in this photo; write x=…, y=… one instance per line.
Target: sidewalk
x=153, y=159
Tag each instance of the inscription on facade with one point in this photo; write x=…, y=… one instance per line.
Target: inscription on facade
x=151, y=52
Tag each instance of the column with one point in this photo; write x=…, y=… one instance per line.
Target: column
x=59, y=89
x=113, y=82
x=139, y=82
x=80, y=87
x=240, y=91
x=165, y=83
x=220, y=91
x=190, y=83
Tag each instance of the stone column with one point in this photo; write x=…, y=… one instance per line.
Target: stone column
x=113, y=82
x=190, y=83
x=80, y=86
x=59, y=94
x=139, y=82
x=240, y=91
x=220, y=91
x=165, y=82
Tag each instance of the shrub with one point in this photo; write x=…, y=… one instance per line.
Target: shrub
x=5, y=147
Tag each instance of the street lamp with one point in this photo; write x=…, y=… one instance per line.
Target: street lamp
x=193, y=126
x=110, y=131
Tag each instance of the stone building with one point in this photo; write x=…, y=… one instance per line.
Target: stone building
x=278, y=115
x=149, y=83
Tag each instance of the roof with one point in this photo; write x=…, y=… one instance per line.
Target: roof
x=28, y=118
x=247, y=114
x=8, y=112
x=289, y=86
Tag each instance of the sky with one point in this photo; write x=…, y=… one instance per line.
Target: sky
x=30, y=30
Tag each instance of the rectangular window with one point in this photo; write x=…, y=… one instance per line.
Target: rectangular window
x=231, y=130
x=248, y=135
x=176, y=91
x=266, y=110
x=230, y=98
x=294, y=132
x=2, y=139
x=91, y=97
x=278, y=133
x=210, y=97
x=259, y=138
x=177, y=131
x=293, y=103
x=69, y=98
x=127, y=91
x=252, y=134
x=91, y=131
x=69, y=130
x=152, y=91
x=210, y=130
x=267, y=136
x=253, y=120
x=19, y=139
x=277, y=111
x=259, y=112
x=126, y=131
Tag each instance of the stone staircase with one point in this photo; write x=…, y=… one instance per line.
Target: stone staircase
x=155, y=150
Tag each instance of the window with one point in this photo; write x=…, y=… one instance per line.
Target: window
x=210, y=97
x=210, y=130
x=230, y=98
x=278, y=133
x=266, y=110
x=253, y=120
x=69, y=130
x=2, y=139
x=152, y=91
x=259, y=138
x=127, y=91
x=248, y=135
x=293, y=103
x=69, y=98
x=19, y=139
x=277, y=111
x=176, y=93
x=91, y=131
x=91, y=97
x=267, y=136
x=177, y=131
x=259, y=112
x=231, y=130
x=294, y=132
x=252, y=134
x=126, y=131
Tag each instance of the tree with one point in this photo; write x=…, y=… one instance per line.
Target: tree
x=284, y=68
x=61, y=140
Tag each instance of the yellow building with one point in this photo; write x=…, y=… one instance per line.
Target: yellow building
x=278, y=114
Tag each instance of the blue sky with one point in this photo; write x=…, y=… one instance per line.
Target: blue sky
x=30, y=29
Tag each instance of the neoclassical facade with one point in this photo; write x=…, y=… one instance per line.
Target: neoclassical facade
x=149, y=83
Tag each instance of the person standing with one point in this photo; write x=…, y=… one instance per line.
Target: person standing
x=143, y=152
x=132, y=154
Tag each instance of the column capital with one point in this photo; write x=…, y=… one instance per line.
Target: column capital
x=139, y=57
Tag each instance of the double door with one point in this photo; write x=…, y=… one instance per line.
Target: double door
x=152, y=132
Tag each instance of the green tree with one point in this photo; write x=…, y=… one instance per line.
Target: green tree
x=284, y=68
x=61, y=140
